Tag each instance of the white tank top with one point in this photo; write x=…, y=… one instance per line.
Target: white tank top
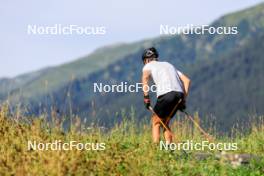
x=165, y=77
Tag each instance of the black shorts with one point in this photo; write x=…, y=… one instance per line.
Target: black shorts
x=166, y=104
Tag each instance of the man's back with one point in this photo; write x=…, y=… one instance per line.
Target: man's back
x=165, y=76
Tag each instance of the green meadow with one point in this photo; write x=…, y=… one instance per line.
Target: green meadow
x=128, y=149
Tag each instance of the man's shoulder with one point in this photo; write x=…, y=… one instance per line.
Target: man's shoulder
x=158, y=64
x=164, y=62
x=167, y=64
x=148, y=66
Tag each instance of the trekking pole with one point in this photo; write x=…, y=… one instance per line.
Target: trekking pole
x=174, y=109
x=207, y=136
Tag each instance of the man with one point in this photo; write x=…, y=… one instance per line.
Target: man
x=172, y=90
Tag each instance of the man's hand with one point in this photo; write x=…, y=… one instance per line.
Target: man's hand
x=182, y=105
x=147, y=101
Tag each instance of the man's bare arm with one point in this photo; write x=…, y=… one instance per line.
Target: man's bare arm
x=145, y=80
x=186, y=83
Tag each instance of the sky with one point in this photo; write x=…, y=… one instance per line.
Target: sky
x=124, y=21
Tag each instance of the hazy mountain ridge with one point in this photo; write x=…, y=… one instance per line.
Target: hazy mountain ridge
x=65, y=73
x=9, y=85
x=88, y=64
x=100, y=58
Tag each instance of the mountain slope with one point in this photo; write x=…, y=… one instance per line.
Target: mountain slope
x=39, y=83
x=231, y=88
x=7, y=85
x=184, y=48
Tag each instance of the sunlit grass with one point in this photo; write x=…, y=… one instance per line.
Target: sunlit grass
x=129, y=150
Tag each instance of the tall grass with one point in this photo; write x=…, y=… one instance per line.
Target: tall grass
x=129, y=150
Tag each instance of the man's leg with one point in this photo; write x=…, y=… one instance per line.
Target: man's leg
x=155, y=129
x=167, y=134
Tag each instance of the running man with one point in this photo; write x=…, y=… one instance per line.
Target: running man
x=172, y=87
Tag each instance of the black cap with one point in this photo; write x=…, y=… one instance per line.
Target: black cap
x=150, y=53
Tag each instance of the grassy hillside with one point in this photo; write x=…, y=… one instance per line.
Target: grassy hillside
x=128, y=151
